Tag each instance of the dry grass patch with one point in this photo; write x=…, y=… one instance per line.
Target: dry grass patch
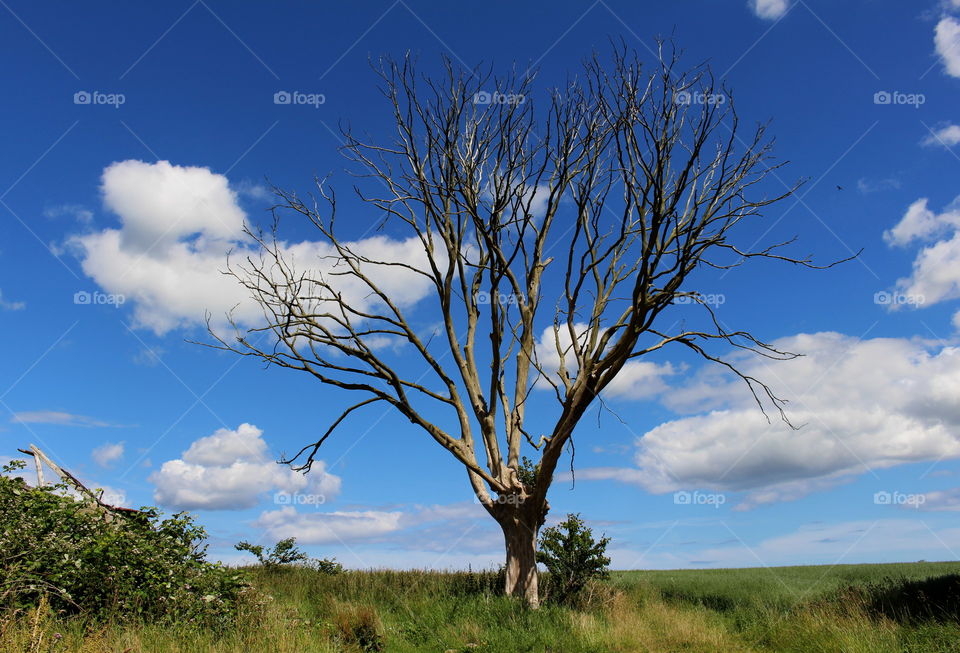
x=641, y=621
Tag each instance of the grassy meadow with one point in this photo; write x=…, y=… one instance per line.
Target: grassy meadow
x=870, y=608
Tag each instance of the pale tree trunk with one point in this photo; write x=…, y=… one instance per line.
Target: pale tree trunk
x=521, y=572
x=520, y=537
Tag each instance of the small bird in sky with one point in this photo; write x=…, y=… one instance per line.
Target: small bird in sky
x=839, y=187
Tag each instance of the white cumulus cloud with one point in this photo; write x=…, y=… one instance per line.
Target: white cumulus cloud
x=920, y=223
x=947, y=41
x=862, y=404
x=636, y=380
x=178, y=223
x=232, y=470
x=936, y=269
x=769, y=9
x=947, y=136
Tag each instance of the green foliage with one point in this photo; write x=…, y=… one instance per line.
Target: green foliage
x=286, y=552
x=572, y=557
x=527, y=472
x=13, y=466
x=101, y=564
x=327, y=566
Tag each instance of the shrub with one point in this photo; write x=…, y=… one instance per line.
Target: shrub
x=327, y=565
x=85, y=560
x=572, y=557
x=285, y=552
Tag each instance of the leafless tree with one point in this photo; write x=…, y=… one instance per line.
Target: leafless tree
x=552, y=243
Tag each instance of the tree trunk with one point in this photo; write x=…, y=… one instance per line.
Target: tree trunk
x=521, y=570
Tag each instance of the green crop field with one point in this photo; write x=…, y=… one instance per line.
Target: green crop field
x=726, y=590
x=870, y=608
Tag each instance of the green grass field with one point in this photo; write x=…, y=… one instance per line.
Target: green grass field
x=773, y=587
x=799, y=609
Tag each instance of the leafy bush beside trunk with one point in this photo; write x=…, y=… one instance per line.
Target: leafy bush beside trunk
x=572, y=557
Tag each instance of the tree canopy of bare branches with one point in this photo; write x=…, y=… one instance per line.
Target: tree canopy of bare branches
x=551, y=237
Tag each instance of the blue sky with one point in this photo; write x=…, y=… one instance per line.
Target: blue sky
x=112, y=111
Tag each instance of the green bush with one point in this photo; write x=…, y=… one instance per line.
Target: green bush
x=286, y=552
x=102, y=564
x=326, y=566
x=572, y=557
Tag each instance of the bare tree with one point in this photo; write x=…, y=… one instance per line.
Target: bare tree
x=552, y=243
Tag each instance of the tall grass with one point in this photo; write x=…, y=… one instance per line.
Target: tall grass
x=816, y=608
x=353, y=611
x=796, y=609
x=777, y=588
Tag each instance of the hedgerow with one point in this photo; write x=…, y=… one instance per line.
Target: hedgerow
x=93, y=562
